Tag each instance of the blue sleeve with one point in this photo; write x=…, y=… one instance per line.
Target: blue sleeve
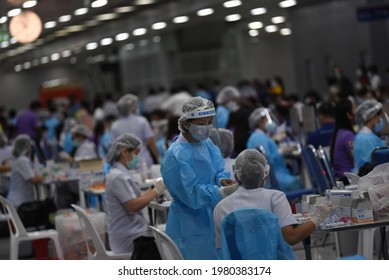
x=218, y=160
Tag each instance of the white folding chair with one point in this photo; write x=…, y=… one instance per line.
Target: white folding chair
x=166, y=246
x=89, y=231
x=19, y=234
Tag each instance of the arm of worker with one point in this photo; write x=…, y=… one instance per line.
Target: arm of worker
x=153, y=148
x=4, y=168
x=144, y=199
x=37, y=179
x=65, y=156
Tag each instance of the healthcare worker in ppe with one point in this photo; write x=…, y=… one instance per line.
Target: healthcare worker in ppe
x=224, y=139
x=193, y=171
x=128, y=230
x=250, y=170
x=262, y=124
x=227, y=100
x=369, y=117
x=130, y=122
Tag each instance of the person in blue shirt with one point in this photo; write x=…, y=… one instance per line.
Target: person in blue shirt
x=322, y=136
x=368, y=116
x=193, y=171
x=262, y=124
x=227, y=101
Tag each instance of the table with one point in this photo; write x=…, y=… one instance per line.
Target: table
x=365, y=239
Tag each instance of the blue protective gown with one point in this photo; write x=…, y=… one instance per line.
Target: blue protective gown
x=364, y=143
x=286, y=181
x=222, y=116
x=253, y=234
x=191, y=173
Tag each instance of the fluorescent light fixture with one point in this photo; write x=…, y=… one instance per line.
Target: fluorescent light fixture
x=122, y=36
x=4, y=44
x=159, y=25
x=91, y=46
x=156, y=39
x=130, y=46
x=205, y=12
x=232, y=3
x=81, y=11
x=286, y=31
x=253, y=32
x=45, y=59
x=27, y=65
x=124, y=9
x=29, y=4
x=50, y=24
x=3, y=19
x=106, y=41
x=106, y=16
x=61, y=33
x=66, y=53
x=64, y=18
x=233, y=17
x=75, y=28
x=271, y=28
x=99, y=3
x=55, y=56
x=255, y=25
x=35, y=62
x=180, y=19
x=143, y=43
x=92, y=23
x=18, y=68
x=287, y=3
x=14, y=12
x=139, y=32
x=13, y=40
x=144, y=2
x=277, y=20
x=258, y=11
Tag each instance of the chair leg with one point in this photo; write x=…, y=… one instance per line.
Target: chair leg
x=58, y=248
x=14, y=249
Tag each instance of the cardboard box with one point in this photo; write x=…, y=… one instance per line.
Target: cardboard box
x=361, y=211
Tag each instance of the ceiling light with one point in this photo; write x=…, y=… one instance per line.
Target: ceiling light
x=233, y=17
x=27, y=65
x=286, y=31
x=287, y=3
x=81, y=11
x=29, y=4
x=130, y=46
x=143, y=43
x=277, y=20
x=55, y=56
x=258, y=11
x=4, y=44
x=180, y=19
x=255, y=25
x=106, y=16
x=92, y=23
x=61, y=33
x=45, y=60
x=253, y=32
x=99, y=3
x=205, y=12
x=91, y=46
x=122, y=36
x=18, y=68
x=139, y=31
x=14, y=12
x=125, y=9
x=13, y=40
x=50, y=24
x=156, y=39
x=66, y=53
x=159, y=25
x=144, y=2
x=271, y=28
x=75, y=28
x=232, y=3
x=3, y=19
x=64, y=18
x=106, y=41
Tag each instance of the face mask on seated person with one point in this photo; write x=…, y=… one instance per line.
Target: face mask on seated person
x=379, y=125
x=132, y=164
x=200, y=132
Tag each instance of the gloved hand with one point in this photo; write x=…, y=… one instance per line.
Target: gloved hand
x=322, y=211
x=159, y=187
x=227, y=190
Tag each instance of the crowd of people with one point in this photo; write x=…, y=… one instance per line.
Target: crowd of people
x=207, y=144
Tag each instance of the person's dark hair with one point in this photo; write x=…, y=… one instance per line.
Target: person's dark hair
x=342, y=121
x=35, y=105
x=326, y=109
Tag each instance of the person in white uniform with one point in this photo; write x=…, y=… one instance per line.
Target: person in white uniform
x=127, y=228
x=130, y=122
x=250, y=171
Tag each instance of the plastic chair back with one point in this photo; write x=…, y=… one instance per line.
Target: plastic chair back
x=15, y=224
x=329, y=172
x=316, y=172
x=272, y=180
x=380, y=155
x=166, y=246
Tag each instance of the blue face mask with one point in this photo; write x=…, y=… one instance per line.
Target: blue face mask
x=379, y=125
x=132, y=164
x=75, y=143
x=200, y=132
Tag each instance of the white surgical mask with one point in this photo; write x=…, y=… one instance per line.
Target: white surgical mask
x=200, y=132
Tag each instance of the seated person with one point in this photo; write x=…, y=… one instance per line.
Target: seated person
x=5, y=155
x=261, y=123
x=128, y=230
x=322, y=136
x=224, y=139
x=250, y=171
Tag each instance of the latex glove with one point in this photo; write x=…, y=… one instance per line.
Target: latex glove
x=159, y=187
x=322, y=211
x=227, y=190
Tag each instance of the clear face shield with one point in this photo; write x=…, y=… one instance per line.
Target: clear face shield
x=271, y=122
